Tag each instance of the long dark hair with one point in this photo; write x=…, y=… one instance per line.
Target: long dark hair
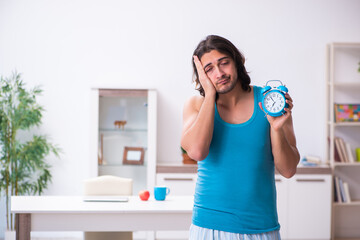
x=213, y=42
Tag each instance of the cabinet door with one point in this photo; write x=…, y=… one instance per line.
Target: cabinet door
x=309, y=214
x=179, y=183
x=282, y=203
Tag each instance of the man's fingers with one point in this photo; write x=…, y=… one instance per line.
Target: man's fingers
x=287, y=96
x=288, y=112
x=289, y=101
x=199, y=67
x=291, y=105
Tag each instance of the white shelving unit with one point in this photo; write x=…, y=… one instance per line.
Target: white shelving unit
x=343, y=87
x=138, y=107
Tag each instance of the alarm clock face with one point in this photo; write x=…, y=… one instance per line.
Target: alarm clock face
x=274, y=103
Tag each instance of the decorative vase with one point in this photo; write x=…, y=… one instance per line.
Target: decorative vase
x=10, y=235
x=188, y=160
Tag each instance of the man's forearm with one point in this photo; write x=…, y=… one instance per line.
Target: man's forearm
x=286, y=155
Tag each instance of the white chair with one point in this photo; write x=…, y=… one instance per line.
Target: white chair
x=108, y=186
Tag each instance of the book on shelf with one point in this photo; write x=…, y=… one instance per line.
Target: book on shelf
x=337, y=190
x=347, y=192
x=342, y=193
x=340, y=147
x=343, y=152
x=336, y=154
x=349, y=153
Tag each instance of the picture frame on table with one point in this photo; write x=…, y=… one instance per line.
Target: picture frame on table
x=133, y=156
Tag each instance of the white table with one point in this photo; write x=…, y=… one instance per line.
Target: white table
x=71, y=213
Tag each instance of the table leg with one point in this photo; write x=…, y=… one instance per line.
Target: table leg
x=23, y=226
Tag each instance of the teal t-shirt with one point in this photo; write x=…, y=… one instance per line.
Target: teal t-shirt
x=235, y=190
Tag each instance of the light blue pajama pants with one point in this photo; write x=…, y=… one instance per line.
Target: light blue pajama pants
x=199, y=233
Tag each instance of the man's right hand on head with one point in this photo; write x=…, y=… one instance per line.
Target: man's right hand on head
x=205, y=82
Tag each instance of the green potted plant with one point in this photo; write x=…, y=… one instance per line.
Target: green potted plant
x=186, y=158
x=23, y=169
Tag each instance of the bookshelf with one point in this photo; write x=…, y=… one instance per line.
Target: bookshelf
x=343, y=87
x=356, y=203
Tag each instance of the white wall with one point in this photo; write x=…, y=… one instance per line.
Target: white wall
x=70, y=46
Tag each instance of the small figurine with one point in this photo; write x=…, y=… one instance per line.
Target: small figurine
x=119, y=124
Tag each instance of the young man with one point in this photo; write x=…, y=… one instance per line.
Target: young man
x=236, y=147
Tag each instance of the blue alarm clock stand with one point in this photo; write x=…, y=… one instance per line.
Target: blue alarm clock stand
x=267, y=90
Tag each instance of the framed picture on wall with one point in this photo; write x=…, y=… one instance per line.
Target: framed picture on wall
x=133, y=155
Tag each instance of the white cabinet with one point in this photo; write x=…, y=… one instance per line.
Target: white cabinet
x=309, y=215
x=282, y=203
x=304, y=206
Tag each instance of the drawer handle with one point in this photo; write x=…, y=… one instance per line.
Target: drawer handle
x=278, y=180
x=178, y=179
x=310, y=180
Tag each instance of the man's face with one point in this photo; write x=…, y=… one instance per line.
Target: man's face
x=221, y=70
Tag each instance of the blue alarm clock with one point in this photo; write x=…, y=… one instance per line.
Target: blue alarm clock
x=273, y=100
